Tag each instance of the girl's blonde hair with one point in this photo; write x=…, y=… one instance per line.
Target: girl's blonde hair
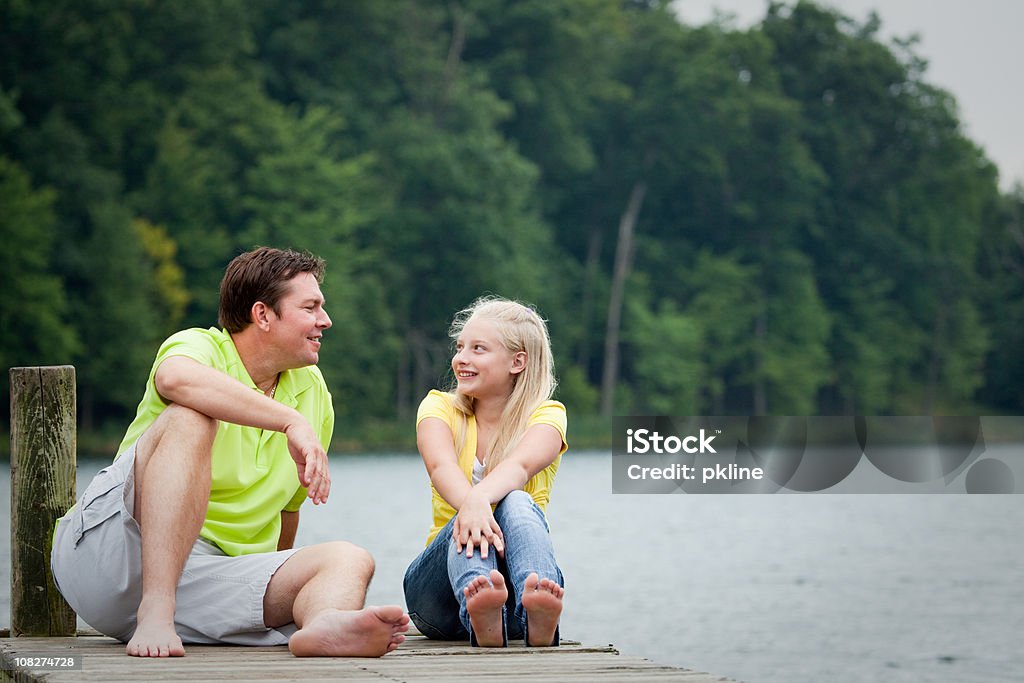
x=520, y=329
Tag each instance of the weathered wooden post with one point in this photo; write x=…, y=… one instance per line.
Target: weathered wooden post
x=43, y=445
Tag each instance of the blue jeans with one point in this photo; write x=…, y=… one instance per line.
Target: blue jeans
x=435, y=580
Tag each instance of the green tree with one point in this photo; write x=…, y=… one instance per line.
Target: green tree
x=463, y=218
x=94, y=81
x=724, y=297
x=667, y=351
x=168, y=276
x=305, y=193
x=896, y=234
x=1001, y=286
x=34, y=329
x=781, y=219
x=707, y=156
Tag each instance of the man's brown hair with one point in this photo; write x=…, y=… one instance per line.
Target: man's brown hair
x=261, y=275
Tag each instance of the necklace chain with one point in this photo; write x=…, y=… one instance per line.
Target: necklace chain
x=273, y=387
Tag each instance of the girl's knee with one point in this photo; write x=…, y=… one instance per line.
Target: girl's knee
x=516, y=509
x=516, y=502
x=518, y=498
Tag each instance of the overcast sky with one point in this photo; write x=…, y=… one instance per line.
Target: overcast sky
x=973, y=47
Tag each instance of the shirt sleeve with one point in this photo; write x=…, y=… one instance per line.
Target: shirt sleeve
x=297, y=500
x=193, y=343
x=436, y=404
x=552, y=413
x=325, y=431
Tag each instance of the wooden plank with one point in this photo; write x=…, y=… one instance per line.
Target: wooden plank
x=43, y=435
x=418, y=660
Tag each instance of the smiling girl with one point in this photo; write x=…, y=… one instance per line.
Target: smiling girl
x=491, y=446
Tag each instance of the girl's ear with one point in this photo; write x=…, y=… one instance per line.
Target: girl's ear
x=518, y=362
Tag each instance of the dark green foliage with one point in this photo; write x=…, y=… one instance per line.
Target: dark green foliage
x=34, y=329
x=814, y=232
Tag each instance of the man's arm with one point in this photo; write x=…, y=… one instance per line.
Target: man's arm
x=289, y=527
x=189, y=383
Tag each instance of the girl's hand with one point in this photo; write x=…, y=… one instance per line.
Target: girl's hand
x=475, y=526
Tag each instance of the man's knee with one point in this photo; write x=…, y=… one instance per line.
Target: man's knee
x=348, y=556
x=184, y=420
x=180, y=426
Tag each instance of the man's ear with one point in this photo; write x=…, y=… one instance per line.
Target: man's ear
x=518, y=362
x=260, y=315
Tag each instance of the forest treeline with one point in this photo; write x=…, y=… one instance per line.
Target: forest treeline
x=785, y=219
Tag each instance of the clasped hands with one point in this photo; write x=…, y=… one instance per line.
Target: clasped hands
x=475, y=527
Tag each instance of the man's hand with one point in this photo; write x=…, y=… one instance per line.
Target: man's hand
x=310, y=460
x=475, y=526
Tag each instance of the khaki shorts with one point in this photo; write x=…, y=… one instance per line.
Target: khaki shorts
x=97, y=565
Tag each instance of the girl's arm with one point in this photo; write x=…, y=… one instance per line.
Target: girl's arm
x=436, y=444
x=437, y=448
x=536, y=450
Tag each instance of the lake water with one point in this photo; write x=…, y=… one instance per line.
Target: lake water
x=762, y=588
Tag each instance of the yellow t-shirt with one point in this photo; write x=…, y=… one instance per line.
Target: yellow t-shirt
x=441, y=405
x=253, y=476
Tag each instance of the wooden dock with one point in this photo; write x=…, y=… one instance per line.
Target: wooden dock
x=418, y=659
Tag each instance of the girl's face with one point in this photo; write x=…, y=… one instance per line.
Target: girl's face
x=483, y=367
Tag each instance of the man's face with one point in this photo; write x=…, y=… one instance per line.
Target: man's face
x=299, y=323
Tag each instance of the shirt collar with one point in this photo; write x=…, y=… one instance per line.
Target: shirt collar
x=290, y=386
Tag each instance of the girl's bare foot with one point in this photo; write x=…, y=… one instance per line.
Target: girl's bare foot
x=484, y=600
x=542, y=600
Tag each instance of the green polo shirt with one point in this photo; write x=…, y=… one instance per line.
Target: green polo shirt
x=253, y=476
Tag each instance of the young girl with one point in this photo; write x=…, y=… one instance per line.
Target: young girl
x=491, y=446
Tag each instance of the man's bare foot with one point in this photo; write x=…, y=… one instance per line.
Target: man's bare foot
x=542, y=600
x=369, y=632
x=155, y=635
x=484, y=600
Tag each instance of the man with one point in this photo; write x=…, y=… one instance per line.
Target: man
x=188, y=534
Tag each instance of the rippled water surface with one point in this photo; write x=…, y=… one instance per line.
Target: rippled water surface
x=762, y=588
